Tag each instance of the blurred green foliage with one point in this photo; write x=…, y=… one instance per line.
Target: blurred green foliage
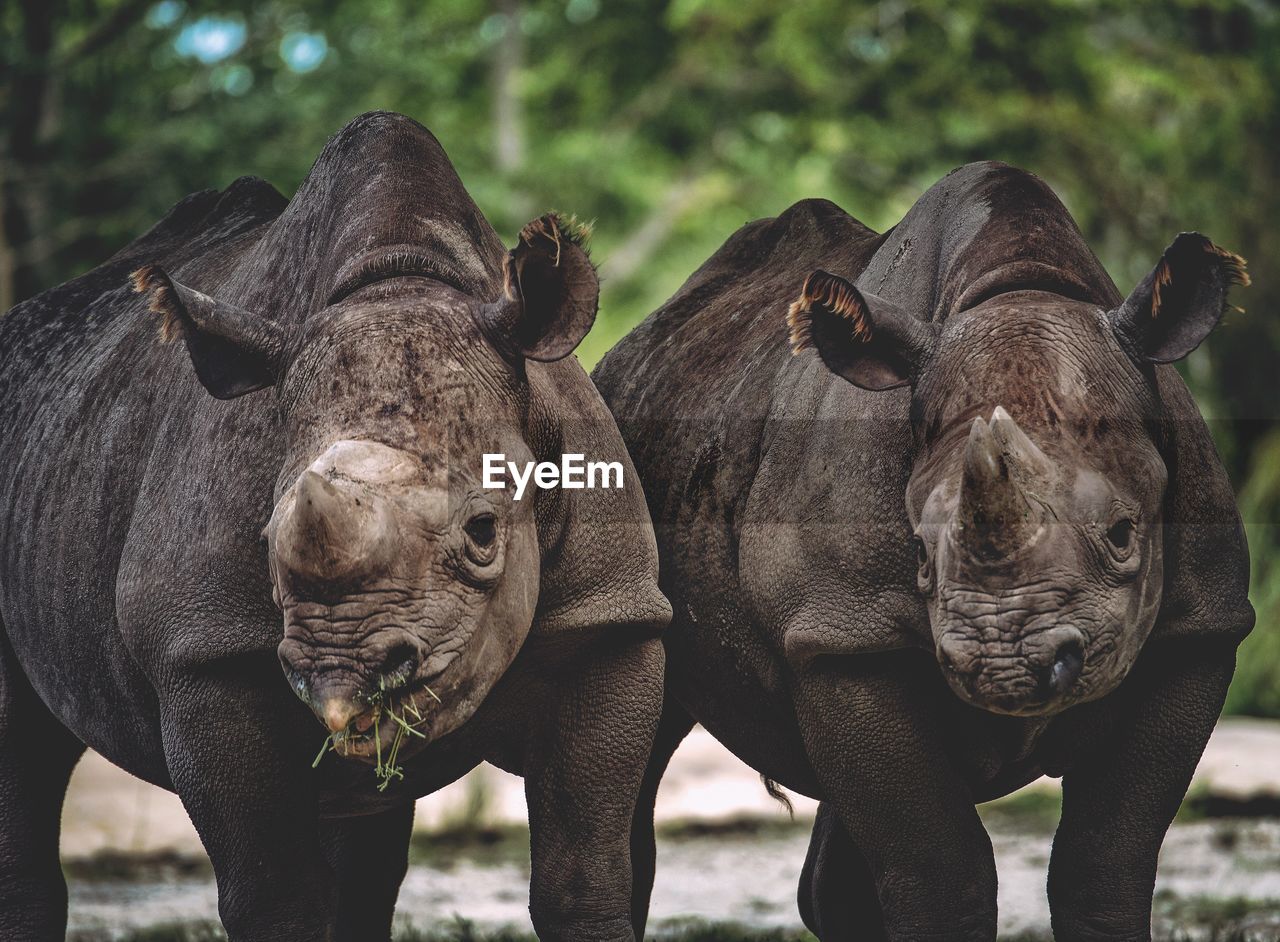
x=673, y=123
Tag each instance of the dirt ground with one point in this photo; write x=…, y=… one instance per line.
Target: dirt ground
x=728, y=853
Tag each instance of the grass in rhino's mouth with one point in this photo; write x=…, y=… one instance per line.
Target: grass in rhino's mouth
x=402, y=712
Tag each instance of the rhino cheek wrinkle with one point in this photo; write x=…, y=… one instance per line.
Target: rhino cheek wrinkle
x=915, y=509
x=277, y=540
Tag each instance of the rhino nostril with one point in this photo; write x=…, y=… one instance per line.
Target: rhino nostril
x=948, y=659
x=1068, y=662
x=297, y=680
x=362, y=723
x=399, y=666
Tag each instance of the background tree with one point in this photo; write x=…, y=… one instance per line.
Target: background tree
x=673, y=123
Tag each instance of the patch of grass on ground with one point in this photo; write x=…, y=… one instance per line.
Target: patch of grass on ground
x=475, y=838
x=699, y=930
x=1203, y=803
x=749, y=826
x=1034, y=809
x=462, y=930
x=161, y=865
x=1228, y=918
x=483, y=844
x=168, y=932
x=1038, y=808
x=471, y=832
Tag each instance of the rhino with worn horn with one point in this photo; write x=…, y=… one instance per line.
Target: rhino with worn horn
x=312, y=434
x=955, y=524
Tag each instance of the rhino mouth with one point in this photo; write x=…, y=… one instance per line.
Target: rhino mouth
x=1036, y=676
x=379, y=736
x=405, y=715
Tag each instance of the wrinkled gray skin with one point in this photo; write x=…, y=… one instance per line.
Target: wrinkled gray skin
x=970, y=534
x=151, y=510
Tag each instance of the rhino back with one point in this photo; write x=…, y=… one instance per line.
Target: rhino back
x=93, y=408
x=713, y=404
x=691, y=386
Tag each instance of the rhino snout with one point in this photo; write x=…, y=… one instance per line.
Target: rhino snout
x=344, y=698
x=339, y=712
x=1031, y=675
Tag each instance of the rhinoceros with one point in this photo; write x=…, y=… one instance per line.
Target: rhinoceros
x=314, y=437
x=955, y=524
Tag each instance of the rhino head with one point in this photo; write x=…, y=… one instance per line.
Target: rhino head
x=1038, y=476
x=397, y=358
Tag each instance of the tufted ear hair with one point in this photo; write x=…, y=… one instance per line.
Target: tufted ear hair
x=550, y=292
x=869, y=341
x=1180, y=301
x=233, y=351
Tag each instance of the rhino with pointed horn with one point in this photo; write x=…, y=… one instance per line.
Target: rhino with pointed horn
x=958, y=525
x=314, y=433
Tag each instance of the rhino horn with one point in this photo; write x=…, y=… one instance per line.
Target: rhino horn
x=1020, y=451
x=995, y=517
x=330, y=533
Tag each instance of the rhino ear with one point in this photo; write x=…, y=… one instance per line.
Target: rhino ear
x=869, y=341
x=1180, y=301
x=233, y=351
x=550, y=290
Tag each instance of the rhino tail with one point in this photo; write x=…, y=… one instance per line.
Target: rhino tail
x=777, y=793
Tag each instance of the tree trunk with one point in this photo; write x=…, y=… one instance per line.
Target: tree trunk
x=508, y=113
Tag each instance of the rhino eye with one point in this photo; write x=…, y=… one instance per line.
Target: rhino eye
x=1120, y=535
x=482, y=534
x=924, y=569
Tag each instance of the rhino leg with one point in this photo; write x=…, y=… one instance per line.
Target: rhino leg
x=369, y=856
x=232, y=743
x=37, y=755
x=1118, y=803
x=584, y=764
x=873, y=743
x=837, y=893
x=672, y=729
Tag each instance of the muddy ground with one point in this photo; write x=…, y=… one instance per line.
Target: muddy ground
x=729, y=857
